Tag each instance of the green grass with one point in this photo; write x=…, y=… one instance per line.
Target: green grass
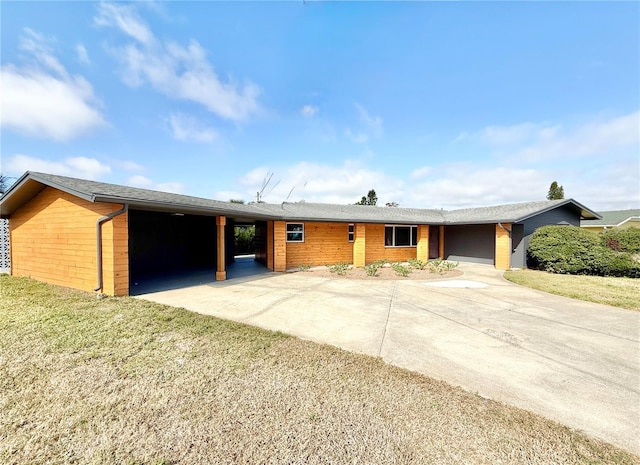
x=121, y=380
x=619, y=292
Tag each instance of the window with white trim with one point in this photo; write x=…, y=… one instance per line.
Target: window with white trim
x=400, y=235
x=351, y=232
x=295, y=232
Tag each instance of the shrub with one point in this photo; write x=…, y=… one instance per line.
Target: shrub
x=400, y=269
x=622, y=240
x=417, y=264
x=304, y=267
x=372, y=269
x=572, y=250
x=339, y=268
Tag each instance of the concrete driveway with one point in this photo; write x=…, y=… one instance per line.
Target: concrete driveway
x=574, y=362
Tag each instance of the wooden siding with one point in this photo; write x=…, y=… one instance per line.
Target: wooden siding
x=376, y=249
x=503, y=248
x=279, y=246
x=324, y=243
x=53, y=239
x=441, y=242
x=359, y=244
x=422, y=250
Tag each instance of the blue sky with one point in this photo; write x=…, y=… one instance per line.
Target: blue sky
x=432, y=104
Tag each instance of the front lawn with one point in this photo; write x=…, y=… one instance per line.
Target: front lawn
x=121, y=380
x=619, y=292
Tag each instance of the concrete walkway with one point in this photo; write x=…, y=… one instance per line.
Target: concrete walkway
x=574, y=362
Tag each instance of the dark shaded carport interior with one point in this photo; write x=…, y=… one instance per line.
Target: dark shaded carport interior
x=473, y=243
x=174, y=250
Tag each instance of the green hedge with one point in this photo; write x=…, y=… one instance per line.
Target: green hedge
x=572, y=250
x=622, y=240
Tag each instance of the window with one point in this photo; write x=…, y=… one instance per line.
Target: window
x=400, y=236
x=295, y=232
x=351, y=233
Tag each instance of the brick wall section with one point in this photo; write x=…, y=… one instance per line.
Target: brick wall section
x=324, y=244
x=376, y=249
x=422, y=250
x=359, y=244
x=279, y=246
x=53, y=239
x=503, y=248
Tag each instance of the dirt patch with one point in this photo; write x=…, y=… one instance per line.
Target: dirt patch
x=384, y=273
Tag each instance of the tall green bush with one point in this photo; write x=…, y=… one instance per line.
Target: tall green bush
x=245, y=240
x=572, y=250
x=622, y=240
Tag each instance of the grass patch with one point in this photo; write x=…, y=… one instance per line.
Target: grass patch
x=121, y=380
x=619, y=292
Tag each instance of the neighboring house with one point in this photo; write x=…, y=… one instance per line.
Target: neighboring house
x=613, y=219
x=104, y=237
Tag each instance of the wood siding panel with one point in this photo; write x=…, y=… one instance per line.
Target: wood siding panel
x=324, y=243
x=279, y=246
x=53, y=240
x=376, y=249
x=503, y=248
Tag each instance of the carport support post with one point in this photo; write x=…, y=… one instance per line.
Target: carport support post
x=441, y=248
x=221, y=272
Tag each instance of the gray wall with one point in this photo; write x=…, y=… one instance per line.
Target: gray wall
x=524, y=230
x=474, y=243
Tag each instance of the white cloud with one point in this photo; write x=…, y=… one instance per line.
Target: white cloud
x=139, y=181
x=172, y=186
x=80, y=167
x=309, y=111
x=529, y=142
x=369, y=127
x=316, y=182
x=128, y=165
x=421, y=172
x=187, y=128
x=83, y=56
x=125, y=18
x=43, y=100
x=146, y=183
x=180, y=72
x=358, y=138
x=373, y=123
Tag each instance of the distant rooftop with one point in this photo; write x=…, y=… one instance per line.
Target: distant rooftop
x=612, y=218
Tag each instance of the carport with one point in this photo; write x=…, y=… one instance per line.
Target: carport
x=473, y=243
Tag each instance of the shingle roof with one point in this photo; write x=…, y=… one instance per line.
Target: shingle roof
x=612, y=218
x=32, y=182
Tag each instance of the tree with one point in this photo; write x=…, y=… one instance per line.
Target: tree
x=370, y=199
x=556, y=192
x=4, y=183
x=236, y=201
x=392, y=204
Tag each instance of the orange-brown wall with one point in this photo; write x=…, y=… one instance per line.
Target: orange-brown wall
x=324, y=244
x=53, y=239
x=376, y=249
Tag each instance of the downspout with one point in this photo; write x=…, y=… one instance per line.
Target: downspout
x=99, y=222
